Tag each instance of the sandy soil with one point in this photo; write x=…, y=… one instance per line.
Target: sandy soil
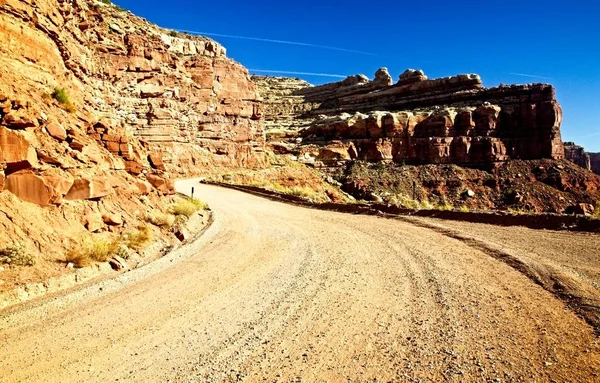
x=274, y=292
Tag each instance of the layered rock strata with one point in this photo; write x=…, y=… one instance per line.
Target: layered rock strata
x=595, y=162
x=420, y=121
x=577, y=155
x=130, y=98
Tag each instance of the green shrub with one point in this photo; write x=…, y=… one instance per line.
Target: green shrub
x=173, y=33
x=596, y=210
x=187, y=207
x=16, y=255
x=60, y=95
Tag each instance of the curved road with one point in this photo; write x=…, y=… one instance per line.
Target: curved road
x=273, y=292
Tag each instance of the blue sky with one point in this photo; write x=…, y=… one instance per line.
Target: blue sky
x=556, y=40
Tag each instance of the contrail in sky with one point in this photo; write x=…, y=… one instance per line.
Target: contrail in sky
x=279, y=42
x=592, y=135
x=299, y=73
x=531, y=75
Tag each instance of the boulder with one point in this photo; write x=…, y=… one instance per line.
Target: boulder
x=56, y=131
x=16, y=151
x=61, y=184
x=19, y=120
x=89, y=188
x=93, y=222
x=112, y=219
x=151, y=90
x=117, y=263
x=383, y=78
x=410, y=76
x=182, y=233
x=32, y=188
x=156, y=161
x=581, y=209
x=144, y=187
x=134, y=167
x=164, y=185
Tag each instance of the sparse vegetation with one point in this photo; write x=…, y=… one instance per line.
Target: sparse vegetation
x=160, y=219
x=464, y=209
x=107, y=2
x=187, y=207
x=16, y=255
x=62, y=97
x=93, y=250
x=138, y=239
x=596, y=210
x=174, y=34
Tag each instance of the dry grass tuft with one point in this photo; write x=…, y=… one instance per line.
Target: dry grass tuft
x=94, y=250
x=160, y=219
x=138, y=239
x=187, y=207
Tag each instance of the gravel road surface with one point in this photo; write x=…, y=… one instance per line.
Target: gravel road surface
x=273, y=292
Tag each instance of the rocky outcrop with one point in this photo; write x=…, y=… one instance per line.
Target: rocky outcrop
x=130, y=98
x=422, y=121
x=577, y=154
x=595, y=162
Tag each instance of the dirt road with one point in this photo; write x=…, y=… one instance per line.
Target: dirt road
x=274, y=292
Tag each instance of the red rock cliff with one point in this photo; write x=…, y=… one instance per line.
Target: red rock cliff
x=142, y=100
x=421, y=121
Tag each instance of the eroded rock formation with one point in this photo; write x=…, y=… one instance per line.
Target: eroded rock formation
x=578, y=155
x=422, y=121
x=141, y=101
x=595, y=162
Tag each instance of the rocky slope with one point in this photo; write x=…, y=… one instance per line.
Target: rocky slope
x=100, y=110
x=506, y=141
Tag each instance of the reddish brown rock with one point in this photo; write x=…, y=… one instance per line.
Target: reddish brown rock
x=112, y=219
x=134, y=167
x=89, y=188
x=156, y=161
x=19, y=120
x=144, y=187
x=595, y=162
x=32, y=188
x=419, y=120
x=61, y=184
x=93, y=222
x=162, y=184
x=16, y=151
x=581, y=209
x=55, y=130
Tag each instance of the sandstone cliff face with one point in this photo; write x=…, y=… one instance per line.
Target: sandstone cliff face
x=142, y=101
x=578, y=155
x=595, y=162
x=140, y=107
x=422, y=121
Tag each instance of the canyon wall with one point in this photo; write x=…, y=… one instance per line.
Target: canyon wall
x=422, y=121
x=140, y=103
x=595, y=162
x=578, y=155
